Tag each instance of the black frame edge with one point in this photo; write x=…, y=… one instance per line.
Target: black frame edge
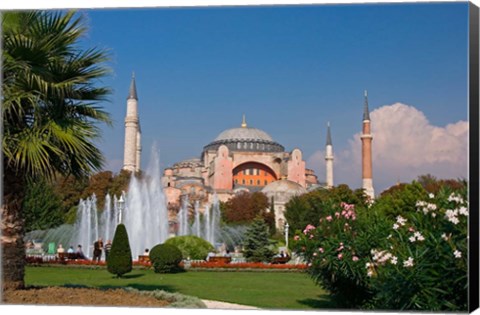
x=473, y=256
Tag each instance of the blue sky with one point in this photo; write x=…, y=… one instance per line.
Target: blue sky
x=290, y=69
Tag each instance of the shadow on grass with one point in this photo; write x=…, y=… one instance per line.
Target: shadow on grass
x=142, y=287
x=133, y=276
x=324, y=301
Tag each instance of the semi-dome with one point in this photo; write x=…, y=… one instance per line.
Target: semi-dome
x=192, y=162
x=245, y=139
x=284, y=186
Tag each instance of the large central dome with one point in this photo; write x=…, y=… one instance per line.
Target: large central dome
x=243, y=133
x=245, y=139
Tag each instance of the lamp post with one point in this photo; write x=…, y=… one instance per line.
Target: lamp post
x=286, y=234
x=121, y=204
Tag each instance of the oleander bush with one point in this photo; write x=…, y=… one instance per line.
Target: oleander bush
x=369, y=259
x=166, y=258
x=337, y=249
x=423, y=265
x=192, y=247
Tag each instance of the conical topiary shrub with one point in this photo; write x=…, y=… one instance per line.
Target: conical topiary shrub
x=120, y=257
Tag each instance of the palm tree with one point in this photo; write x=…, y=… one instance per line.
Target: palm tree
x=50, y=114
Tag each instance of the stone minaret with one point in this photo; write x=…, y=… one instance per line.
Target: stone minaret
x=366, y=137
x=131, y=158
x=329, y=158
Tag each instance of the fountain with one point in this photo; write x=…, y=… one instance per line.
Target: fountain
x=208, y=228
x=86, y=226
x=143, y=211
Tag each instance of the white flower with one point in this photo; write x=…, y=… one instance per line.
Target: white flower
x=434, y=214
x=419, y=236
x=412, y=239
x=401, y=220
x=431, y=196
x=451, y=216
x=456, y=198
x=408, y=263
x=367, y=265
x=457, y=254
x=445, y=237
x=463, y=211
x=396, y=226
x=394, y=260
x=369, y=273
x=420, y=203
x=389, y=236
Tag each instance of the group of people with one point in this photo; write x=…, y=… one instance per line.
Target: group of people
x=99, y=247
x=70, y=250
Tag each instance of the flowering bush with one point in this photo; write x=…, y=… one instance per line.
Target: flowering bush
x=337, y=249
x=423, y=266
x=368, y=258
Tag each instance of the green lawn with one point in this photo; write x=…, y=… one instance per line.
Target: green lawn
x=272, y=290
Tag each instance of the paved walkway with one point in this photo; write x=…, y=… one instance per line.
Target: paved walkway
x=225, y=305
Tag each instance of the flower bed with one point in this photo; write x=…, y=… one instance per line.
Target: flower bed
x=39, y=260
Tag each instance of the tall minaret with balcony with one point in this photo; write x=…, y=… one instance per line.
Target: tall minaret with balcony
x=132, y=149
x=367, y=178
x=329, y=158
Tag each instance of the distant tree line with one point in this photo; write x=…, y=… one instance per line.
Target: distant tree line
x=48, y=204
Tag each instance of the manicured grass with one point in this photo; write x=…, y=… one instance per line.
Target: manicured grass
x=270, y=290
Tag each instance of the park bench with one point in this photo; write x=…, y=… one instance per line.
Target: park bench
x=62, y=257
x=280, y=260
x=220, y=259
x=143, y=258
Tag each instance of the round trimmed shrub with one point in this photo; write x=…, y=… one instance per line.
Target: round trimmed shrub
x=191, y=246
x=166, y=258
x=120, y=258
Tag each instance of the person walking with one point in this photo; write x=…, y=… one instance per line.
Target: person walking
x=107, y=248
x=97, y=250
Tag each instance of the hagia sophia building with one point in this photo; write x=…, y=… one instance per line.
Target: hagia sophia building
x=242, y=158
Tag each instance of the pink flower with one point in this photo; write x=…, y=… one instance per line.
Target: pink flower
x=340, y=248
x=340, y=256
x=411, y=229
x=311, y=236
x=296, y=238
x=321, y=250
x=355, y=258
x=329, y=218
x=337, y=214
x=308, y=228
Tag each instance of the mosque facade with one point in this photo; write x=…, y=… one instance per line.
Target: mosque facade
x=242, y=158
x=239, y=159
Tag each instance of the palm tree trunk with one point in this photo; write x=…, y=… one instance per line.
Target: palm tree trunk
x=12, y=230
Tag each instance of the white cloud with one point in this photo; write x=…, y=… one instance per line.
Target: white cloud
x=405, y=145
